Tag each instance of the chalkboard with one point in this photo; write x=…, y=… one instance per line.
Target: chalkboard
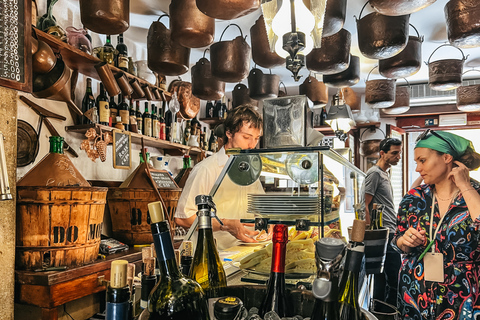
x=163, y=179
x=15, y=44
x=122, y=150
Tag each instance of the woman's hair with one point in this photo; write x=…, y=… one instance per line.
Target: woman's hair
x=470, y=159
x=240, y=115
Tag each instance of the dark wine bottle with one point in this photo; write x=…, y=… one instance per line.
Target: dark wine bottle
x=187, y=166
x=88, y=101
x=149, y=279
x=139, y=116
x=109, y=51
x=218, y=111
x=207, y=268
x=187, y=132
x=103, y=107
x=147, y=122
x=174, y=296
x=212, y=142
x=168, y=123
x=155, y=123
x=224, y=108
x=210, y=108
x=124, y=113
x=132, y=310
x=118, y=292
x=373, y=217
x=323, y=117
x=275, y=299
x=113, y=111
x=161, y=120
x=122, y=54
x=132, y=117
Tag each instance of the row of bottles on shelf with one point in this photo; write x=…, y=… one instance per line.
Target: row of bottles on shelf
x=217, y=110
x=160, y=123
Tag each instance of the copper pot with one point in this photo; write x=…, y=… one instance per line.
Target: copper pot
x=315, y=90
x=261, y=53
x=446, y=74
x=189, y=104
x=262, y=85
x=463, y=23
x=399, y=7
x=352, y=99
x=382, y=37
x=105, y=16
x=347, y=78
x=406, y=63
x=333, y=56
x=241, y=96
x=335, y=13
x=165, y=56
x=55, y=85
x=43, y=61
x=227, y=9
x=402, y=102
x=204, y=85
x=190, y=27
x=230, y=59
x=379, y=93
x=370, y=148
x=468, y=97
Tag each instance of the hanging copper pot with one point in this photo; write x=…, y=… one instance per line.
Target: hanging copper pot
x=347, y=78
x=352, y=99
x=227, y=9
x=262, y=85
x=406, y=63
x=463, y=23
x=190, y=27
x=241, y=96
x=189, y=104
x=333, y=56
x=165, y=56
x=468, y=97
x=446, y=74
x=282, y=93
x=334, y=19
x=382, y=37
x=261, y=53
x=399, y=7
x=315, y=90
x=379, y=93
x=105, y=16
x=204, y=85
x=402, y=101
x=230, y=59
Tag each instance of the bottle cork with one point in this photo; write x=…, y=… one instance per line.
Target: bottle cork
x=146, y=253
x=177, y=256
x=156, y=212
x=149, y=266
x=118, y=274
x=187, y=248
x=130, y=283
x=358, y=230
x=152, y=247
x=131, y=270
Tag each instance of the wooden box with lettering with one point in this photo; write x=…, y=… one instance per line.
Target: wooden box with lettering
x=58, y=226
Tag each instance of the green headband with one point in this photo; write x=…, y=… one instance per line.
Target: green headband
x=456, y=145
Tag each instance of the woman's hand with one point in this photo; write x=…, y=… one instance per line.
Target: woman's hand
x=460, y=175
x=412, y=238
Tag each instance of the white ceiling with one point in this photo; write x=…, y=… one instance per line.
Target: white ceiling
x=430, y=22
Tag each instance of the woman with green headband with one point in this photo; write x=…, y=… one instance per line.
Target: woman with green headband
x=438, y=232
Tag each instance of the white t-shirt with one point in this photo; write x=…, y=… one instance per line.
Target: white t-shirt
x=230, y=199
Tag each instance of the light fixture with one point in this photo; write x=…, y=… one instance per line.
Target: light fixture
x=340, y=118
x=294, y=29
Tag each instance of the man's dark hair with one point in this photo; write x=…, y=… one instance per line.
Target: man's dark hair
x=385, y=144
x=240, y=115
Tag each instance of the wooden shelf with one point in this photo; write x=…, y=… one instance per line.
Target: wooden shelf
x=84, y=62
x=212, y=122
x=171, y=147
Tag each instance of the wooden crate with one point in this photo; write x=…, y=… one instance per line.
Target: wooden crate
x=58, y=226
x=129, y=212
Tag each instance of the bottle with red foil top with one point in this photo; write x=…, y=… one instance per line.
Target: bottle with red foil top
x=276, y=297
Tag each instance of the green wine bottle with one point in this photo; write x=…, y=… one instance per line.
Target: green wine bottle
x=174, y=296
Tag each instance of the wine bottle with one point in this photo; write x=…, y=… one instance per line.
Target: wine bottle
x=113, y=111
x=88, y=101
x=122, y=54
x=207, y=268
x=155, y=126
x=124, y=114
x=218, y=111
x=118, y=292
x=203, y=133
x=186, y=257
x=379, y=220
x=147, y=122
x=174, y=296
x=103, y=107
x=149, y=279
x=132, y=117
x=209, y=108
x=323, y=117
x=162, y=132
x=212, y=142
x=349, y=287
x=139, y=116
x=109, y=51
x=187, y=132
x=132, y=310
x=275, y=299
x=168, y=123
x=373, y=217
x=224, y=108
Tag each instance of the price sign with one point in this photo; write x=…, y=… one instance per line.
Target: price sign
x=122, y=150
x=163, y=179
x=15, y=51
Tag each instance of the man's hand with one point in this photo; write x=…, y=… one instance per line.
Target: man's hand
x=238, y=230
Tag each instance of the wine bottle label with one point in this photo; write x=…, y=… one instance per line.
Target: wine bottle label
x=113, y=114
x=140, y=125
x=165, y=252
x=133, y=120
x=124, y=114
x=162, y=133
x=104, y=111
x=148, y=126
x=155, y=128
x=123, y=62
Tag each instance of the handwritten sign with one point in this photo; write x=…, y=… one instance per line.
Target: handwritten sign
x=163, y=179
x=15, y=52
x=122, y=151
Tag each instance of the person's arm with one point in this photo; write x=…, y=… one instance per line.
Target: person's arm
x=368, y=200
x=461, y=177
x=185, y=222
x=417, y=182
x=371, y=184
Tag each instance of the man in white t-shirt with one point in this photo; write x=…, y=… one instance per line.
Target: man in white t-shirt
x=243, y=128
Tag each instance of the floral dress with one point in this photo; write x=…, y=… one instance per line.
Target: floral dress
x=458, y=297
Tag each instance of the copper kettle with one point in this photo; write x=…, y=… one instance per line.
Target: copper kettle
x=164, y=55
x=190, y=27
x=105, y=16
x=315, y=90
x=204, y=85
x=189, y=104
x=333, y=56
x=261, y=53
x=227, y=9
x=230, y=59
